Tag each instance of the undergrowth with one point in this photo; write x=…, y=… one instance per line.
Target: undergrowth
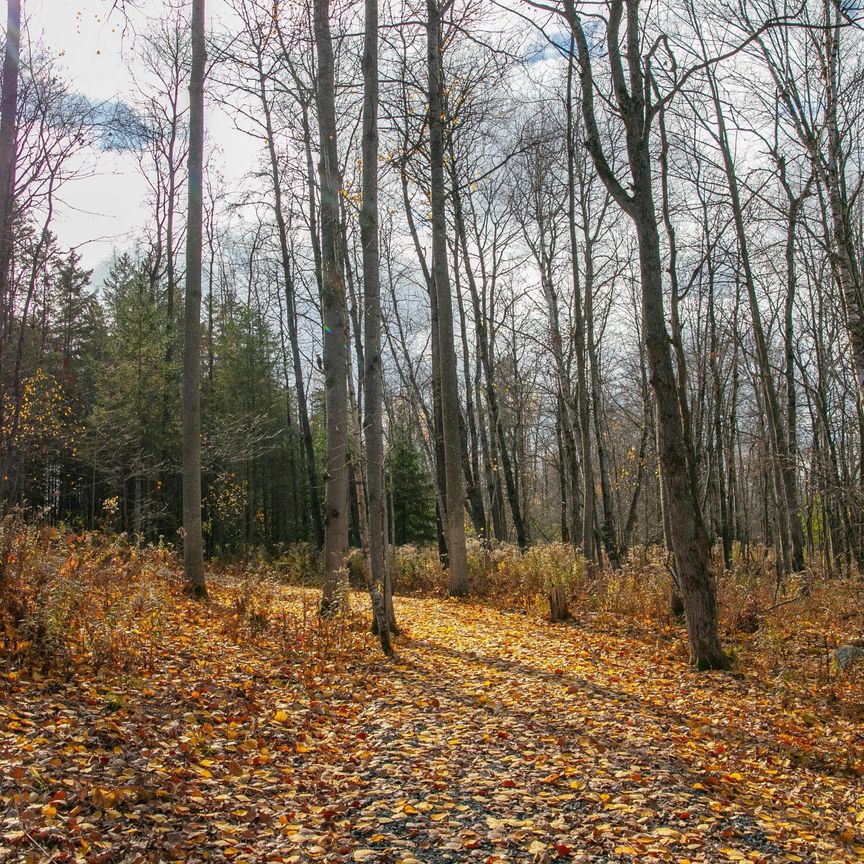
x=109, y=603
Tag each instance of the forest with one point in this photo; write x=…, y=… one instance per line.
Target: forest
x=462, y=459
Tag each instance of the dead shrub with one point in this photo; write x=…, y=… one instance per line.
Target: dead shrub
x=66, y=600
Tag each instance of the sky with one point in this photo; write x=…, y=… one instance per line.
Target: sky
x=106, y=209
x=101, y=211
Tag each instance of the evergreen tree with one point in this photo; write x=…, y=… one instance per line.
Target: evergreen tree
x=129, y=434
x=412, y=495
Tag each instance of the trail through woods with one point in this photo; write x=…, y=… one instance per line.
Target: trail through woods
x=495, y=738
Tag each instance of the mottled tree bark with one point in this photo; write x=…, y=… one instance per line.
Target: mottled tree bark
x=193, y=544
x=454, y=480
x=373, y=420
x=333, y=319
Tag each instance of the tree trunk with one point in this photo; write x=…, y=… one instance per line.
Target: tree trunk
x=335, y=337
x=558, y=609
x=689, y=538
x=844, y=260
x=633, y=509
x=8, y=139
x=580, y=428
x=8, y=159
x=455, y=491
x=193, y=544
x=485, y=360
x=791, y=537
x=563, y=473
x=607, y=528
x=490, y=473
x=380, y=577
x=687, y=530
x=468, y=428
x=291, y=316
x=717, y=389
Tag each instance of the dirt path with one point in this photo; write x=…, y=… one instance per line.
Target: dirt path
x=547, y=741
x=495, y=738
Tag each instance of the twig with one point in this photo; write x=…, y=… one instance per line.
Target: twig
x=781, y=603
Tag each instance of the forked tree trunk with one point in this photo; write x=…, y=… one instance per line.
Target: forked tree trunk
x=689, y=537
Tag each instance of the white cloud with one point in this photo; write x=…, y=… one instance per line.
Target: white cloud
x=107, y=208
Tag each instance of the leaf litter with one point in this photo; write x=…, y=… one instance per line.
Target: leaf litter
x=494, y=738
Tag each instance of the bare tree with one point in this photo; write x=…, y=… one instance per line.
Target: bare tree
x=373, y=378
x=8, y=131
x=8, y=135
x=333, y=318
x=633, y=98
x=259, y=77
x=193, y=541
x=443, y=304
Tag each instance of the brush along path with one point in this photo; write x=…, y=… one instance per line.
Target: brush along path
x=494, y=738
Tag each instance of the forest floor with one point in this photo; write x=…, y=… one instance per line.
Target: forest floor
x=495, y=737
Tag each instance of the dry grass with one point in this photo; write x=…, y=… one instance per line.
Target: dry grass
x=107, y=603
x=778, y=633
x=103, y=603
